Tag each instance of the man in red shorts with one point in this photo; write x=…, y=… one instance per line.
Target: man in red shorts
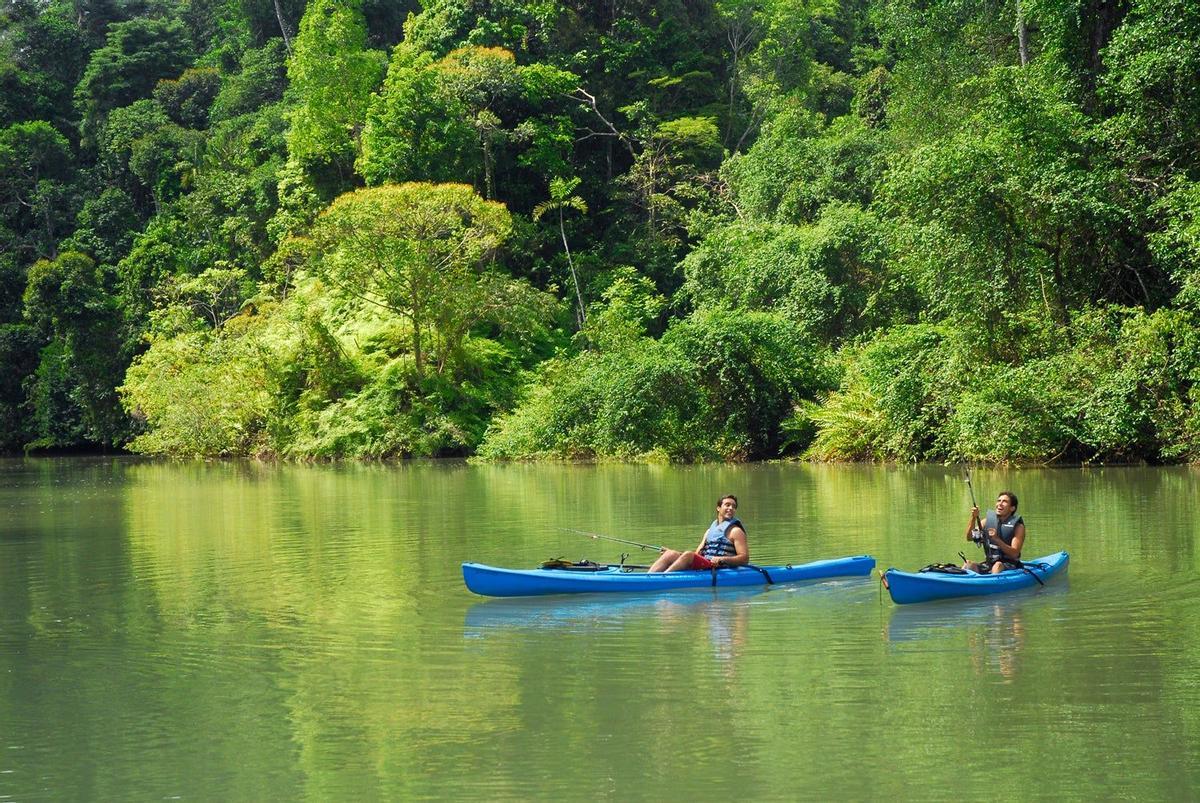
x=724, y=544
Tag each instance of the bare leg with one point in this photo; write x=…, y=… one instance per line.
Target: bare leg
x=998, y=567
x=664, y=560
x=972, y=566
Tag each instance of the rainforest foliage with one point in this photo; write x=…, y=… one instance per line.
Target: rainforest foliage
x=647, y=230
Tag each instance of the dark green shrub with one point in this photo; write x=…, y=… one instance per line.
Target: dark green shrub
x=1140, y=399
x=1011, y=413
x=896, y=392
x=717, y=386
x=640, y=402
x=1122, y=387
x=828, y=279
x=754, y=367
x=398, y=413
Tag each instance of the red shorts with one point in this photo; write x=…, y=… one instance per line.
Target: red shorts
x=701, y=562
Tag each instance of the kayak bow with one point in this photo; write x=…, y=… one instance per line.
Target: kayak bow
x=492, y=581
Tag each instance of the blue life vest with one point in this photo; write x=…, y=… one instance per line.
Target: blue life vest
x=716, y=542
x=1005, y=531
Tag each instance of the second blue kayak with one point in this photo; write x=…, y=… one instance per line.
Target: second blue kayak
x=492, y=581
x=907, y=587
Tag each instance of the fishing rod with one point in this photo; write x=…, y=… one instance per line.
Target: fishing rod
x=611, y=538
x=760, y=569
x=985, y=542
x=982, y=536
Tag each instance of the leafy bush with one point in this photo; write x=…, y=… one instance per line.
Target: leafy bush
x=1123, y=390
x=1017, y=413
x=1177, y=246
x=893, y=397
x=317, y=376
x=754, y=366
x=260, y=83
x=1121, y=386
x=620, y=405
x=399, y=414
x=69, y=302
x=716, y=386
x=187, y=100
x=19, y=353
x=1141, y=403
x=798, y=166
x=828, y=279
x=203, y=395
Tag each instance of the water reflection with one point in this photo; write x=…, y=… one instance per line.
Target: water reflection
x=996, y=649
x=994, y=628
x=719, y=618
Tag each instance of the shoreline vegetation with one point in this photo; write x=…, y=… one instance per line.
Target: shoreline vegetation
x=743, y=230
x=648, y=459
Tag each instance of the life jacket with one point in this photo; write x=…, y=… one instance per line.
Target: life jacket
x=716, y=541
x=1005, y=531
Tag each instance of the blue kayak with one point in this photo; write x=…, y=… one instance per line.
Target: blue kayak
x=491, y=581
x=906, y=587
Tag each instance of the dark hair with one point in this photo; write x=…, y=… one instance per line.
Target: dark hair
x=735, y=502
x=1012, y=497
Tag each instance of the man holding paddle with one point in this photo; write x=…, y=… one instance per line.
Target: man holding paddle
x=724, y=544
x=1002, y=535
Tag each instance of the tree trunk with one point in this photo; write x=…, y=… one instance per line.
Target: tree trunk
x=1063, y=314
x=1098, y=20
x=418, y=353
x=51, y=240
x=1022, y=35
x=287, y=40
x=581, y=317
x=489, y=180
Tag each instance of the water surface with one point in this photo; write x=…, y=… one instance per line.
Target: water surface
x=240, y=631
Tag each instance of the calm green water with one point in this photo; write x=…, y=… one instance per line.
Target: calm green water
x=247, y=632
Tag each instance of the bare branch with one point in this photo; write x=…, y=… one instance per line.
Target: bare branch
x=582, y=94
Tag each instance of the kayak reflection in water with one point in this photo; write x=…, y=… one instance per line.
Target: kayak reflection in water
x=1002, y=535
x=724, y=544
x=996, y=643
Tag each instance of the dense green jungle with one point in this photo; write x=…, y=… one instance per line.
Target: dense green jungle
x=660, y=230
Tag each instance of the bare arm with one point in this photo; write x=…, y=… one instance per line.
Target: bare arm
x=973, y=523
x=1018, y=541
x=738, y=536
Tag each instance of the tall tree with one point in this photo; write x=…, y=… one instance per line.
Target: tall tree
x=42, y=54
x=332, y=77
x=136, y=55
x=473, y=113
x=425, y=252
x=561, y=200
x=69, y=301
x=35, y=167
